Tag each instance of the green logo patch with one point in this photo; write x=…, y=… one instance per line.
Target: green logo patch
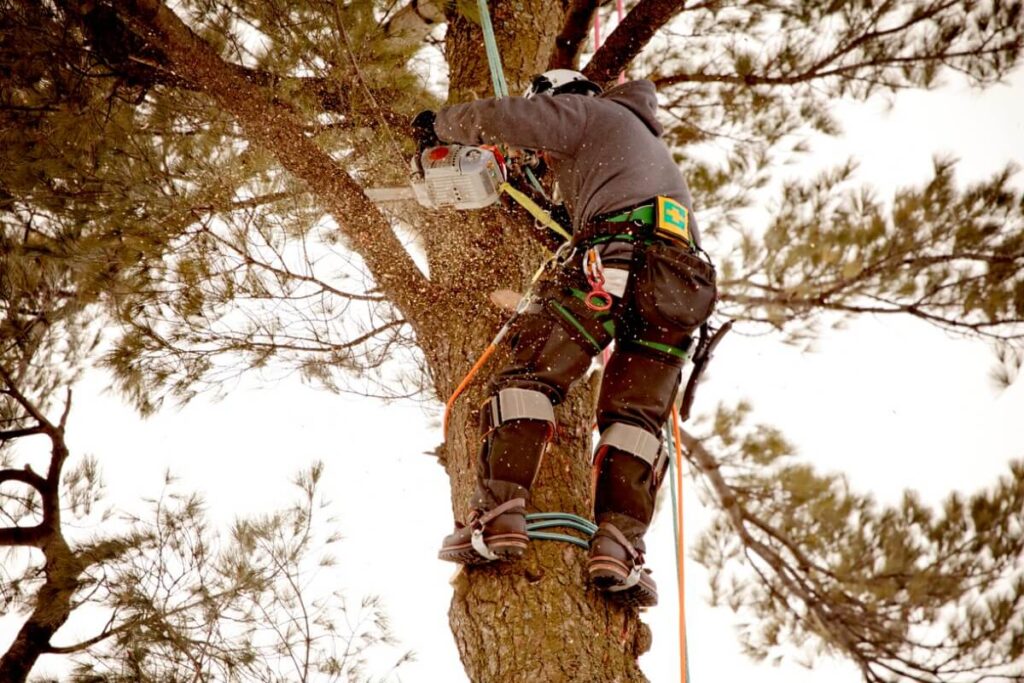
x=673, y=219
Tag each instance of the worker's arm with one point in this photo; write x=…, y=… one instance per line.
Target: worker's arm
x=556, y=124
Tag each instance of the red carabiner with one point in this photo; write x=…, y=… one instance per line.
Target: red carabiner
x=597, y=299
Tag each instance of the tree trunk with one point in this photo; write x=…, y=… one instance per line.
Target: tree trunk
x=52, y=609
x=536, y=619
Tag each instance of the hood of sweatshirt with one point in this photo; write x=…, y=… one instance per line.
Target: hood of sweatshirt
x=641, y=98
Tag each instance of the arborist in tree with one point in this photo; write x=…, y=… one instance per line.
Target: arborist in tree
x=636, y=275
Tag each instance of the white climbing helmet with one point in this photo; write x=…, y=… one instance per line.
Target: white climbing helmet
x=559, y=81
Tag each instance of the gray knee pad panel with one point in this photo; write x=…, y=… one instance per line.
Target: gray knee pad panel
x=520, y=404
x=637, y=442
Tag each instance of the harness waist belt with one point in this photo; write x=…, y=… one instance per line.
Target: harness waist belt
x=641, y=214
x=663, y=218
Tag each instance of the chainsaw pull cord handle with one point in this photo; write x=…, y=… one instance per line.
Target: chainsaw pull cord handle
x=597, y=298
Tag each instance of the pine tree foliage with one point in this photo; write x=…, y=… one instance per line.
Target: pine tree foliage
x=189, y=604
x=907, y=592
x=171, y=598
x=946, y=256
x=184, y=179
x=172, y=216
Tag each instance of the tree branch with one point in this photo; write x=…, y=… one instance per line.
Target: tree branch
x=817, y=617
x=106, y=633
x=278, y=130
x=118, y=49
x=12, y=434
x=574, y=32
x=630, y=37
x=25, y=476
x=45, y=425
x=31, y=536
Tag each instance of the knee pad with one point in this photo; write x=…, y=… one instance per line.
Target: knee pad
x=634, y=441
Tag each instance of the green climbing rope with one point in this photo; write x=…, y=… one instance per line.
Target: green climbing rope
x=493, y=56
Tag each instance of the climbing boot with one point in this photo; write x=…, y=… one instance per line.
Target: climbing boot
x=516, y=425
x=615, y=563
x=494, y=531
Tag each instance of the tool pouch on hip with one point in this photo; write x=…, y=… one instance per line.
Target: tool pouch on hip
x=674, y=288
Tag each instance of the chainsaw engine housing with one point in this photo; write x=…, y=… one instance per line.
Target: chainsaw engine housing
x=458, y=176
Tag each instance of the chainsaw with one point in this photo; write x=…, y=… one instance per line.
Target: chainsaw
x=450, y=176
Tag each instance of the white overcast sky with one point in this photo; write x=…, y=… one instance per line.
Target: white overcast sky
x=893, y=403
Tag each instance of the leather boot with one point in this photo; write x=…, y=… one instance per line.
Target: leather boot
x=615, y=563
x=495, y=530
x=515, y=425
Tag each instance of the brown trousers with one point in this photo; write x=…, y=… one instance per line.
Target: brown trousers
x=670, y=291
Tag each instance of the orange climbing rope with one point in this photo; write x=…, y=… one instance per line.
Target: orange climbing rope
x=465, y=382
x=684, y=674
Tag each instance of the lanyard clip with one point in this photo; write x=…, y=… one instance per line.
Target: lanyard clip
x=597, y=299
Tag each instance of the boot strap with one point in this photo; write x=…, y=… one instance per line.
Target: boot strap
x=620, y=538
x=636, y=442
x=480, y=522
x=514, y=505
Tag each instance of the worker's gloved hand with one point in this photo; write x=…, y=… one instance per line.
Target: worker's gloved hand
x=423, y=129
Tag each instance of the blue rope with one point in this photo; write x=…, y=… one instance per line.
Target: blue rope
x=565, y=538
x=493, y=56
x=587, y=525
x=550, y=520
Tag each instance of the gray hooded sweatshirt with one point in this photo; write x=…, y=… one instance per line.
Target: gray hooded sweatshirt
x=606, y=151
